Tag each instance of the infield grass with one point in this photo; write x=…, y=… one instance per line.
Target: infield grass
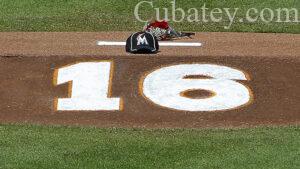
x=118, y=15
x=27, y=146
x=24, y=146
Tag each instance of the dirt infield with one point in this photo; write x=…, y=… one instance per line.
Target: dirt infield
x=28, y=62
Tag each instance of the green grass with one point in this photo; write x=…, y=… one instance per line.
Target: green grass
x=118, y=15
x=23, y=146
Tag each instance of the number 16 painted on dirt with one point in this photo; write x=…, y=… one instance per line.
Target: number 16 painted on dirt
x=91, y=84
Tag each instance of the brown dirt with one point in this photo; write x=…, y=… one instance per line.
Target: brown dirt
x=28, y=61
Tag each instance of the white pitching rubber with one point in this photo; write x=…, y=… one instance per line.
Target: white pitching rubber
x=182, y=44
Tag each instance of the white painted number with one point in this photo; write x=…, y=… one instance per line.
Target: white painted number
x=90, y=87
x=163, y=87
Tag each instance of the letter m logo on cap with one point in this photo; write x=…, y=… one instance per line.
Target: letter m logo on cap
x=141, y=40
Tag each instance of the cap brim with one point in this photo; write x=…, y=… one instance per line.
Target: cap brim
x=145, y=49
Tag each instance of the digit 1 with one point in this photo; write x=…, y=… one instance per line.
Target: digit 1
x=89, y=89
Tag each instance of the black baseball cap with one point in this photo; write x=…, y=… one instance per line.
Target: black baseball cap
x=142, y=42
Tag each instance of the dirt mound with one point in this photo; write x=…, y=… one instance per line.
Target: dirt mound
x=30, y=64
